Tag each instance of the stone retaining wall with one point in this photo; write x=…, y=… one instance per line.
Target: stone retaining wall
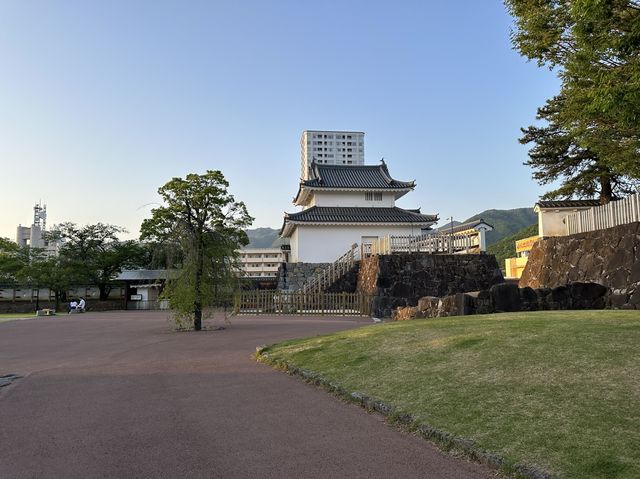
x=610, y=257
x=507, y=297
x=291, y=276
x=402, y=279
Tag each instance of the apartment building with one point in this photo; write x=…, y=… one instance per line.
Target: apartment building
x=261, y=262
x=330, y=148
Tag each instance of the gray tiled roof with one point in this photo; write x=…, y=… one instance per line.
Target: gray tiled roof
x=354, y=176
x=568, y=203
x=336, y=214
x=463, y=226
x=145, y=274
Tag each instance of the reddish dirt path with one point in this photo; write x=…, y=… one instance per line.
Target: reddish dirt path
x=118, y=395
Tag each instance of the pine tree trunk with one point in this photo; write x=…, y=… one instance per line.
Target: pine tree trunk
x=606, y=193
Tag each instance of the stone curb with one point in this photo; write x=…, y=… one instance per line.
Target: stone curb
x=7, y=379
x=438, y=436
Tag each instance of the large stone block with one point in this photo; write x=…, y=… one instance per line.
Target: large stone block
x=587, y=295
x=483, y=302
x=559, y=298
x=529, y=299
x=505, y=297
x=428, y=303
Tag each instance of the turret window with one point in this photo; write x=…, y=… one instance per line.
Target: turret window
x=372, y=196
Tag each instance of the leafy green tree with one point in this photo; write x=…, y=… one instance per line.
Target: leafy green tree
x=96, y=252
x=555, y=156
x=13, y=259
x=201, y=216
x=593, y=46
x=53, y=272
x=34, y=268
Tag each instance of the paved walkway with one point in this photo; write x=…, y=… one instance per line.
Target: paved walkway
x=118, y=395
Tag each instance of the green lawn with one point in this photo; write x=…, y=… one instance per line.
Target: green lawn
x=558, y=390
x=15, y=315
x=9, y=316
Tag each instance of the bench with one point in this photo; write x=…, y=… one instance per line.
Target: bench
x=46, y=312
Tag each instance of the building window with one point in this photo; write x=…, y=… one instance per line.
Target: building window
x=372, y=196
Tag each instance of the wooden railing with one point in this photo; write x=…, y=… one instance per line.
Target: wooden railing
x=612, y=214
x=274, y=302
x=333, y=272
x=433, y=243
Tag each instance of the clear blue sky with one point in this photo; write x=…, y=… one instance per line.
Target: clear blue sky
x=103, y=102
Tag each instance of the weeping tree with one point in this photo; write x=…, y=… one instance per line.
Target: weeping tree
x=207, y=224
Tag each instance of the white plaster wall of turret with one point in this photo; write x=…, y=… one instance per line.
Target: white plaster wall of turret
x=325, y=244
x=353, y=198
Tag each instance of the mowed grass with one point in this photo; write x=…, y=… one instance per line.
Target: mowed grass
x=16, y=315
x=10, y=316
x=559, y=390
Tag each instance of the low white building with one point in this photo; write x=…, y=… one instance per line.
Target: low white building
x=260, y=262
x=551, y=215
x=347, y=204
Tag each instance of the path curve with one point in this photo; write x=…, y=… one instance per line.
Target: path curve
x=118, y=395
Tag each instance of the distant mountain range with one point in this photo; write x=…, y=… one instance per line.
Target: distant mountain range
x=504, y=222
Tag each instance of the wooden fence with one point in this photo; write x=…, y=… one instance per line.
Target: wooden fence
x=612, y=214
x=429, y=243
x=274, y=302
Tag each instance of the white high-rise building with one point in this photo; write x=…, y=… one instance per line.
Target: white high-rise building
x=33, y=236
x=330, y=148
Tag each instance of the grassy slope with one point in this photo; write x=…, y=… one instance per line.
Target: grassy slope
x=559, y=390
x=505, y=222
x=506, y=247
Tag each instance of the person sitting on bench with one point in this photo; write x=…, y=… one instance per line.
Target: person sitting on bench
x=73, y=305
x=81, y=305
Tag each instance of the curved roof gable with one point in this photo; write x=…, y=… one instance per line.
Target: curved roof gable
x=354, y=176
x=356, y=215
x=350, y=177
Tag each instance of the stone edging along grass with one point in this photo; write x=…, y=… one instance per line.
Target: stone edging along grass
x=406, y=421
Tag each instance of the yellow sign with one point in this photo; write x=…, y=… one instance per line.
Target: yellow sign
x=525, y=244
